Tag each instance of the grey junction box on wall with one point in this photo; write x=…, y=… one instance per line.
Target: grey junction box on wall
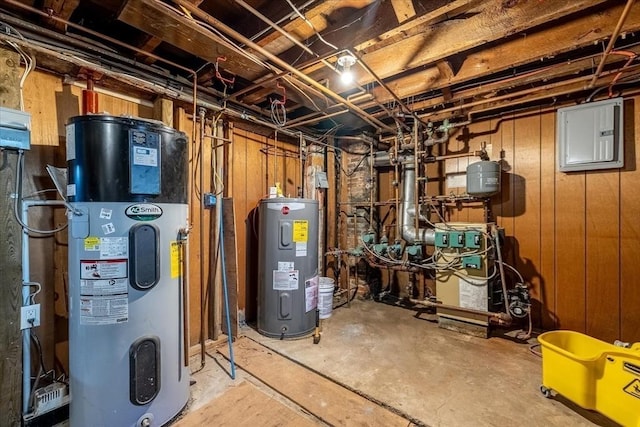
x=590, y=136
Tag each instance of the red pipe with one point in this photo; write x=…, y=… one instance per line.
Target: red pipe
x=89, y=98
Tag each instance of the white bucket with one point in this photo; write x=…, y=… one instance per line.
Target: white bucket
x=325, y=296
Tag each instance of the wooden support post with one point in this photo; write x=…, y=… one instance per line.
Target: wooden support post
x=10, y=266
x=163, y=111
x=230, y=265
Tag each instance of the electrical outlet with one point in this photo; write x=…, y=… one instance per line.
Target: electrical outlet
x=30, y=316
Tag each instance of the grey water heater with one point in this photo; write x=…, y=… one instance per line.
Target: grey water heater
x=128, y=188
x=287, y=267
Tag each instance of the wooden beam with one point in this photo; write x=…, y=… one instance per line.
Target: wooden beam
x=10, y=260
x=149, y=45
x=440, y=12
x=154, y=18
x=230, y=266
x=374, y=24
x=553, y=72
x=495, y=22
x=551, y=42
x=404, y=9
x=61, y=9
x=319, y=16
x=163, y=111
x=579, y=84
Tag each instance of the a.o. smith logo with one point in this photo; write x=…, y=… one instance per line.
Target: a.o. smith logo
x=143, y=212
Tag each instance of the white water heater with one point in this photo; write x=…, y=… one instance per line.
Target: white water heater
x=128, y=187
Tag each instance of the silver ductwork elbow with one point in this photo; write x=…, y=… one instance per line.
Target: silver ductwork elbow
x=407, y=228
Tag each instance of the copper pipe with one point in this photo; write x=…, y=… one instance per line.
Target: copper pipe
x=323, y=60
x=260, y=82
x=384, y=86
x=89, y=97
x=499, y=318
x=517, y=94
x=394, y=267
x=612, y=42
x=279, y=62
x=312, y=118
x=544, y=96
x=456, y=156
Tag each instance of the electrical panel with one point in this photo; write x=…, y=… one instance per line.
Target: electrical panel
x=321, y=180
x=590, y=136
x=15, y=129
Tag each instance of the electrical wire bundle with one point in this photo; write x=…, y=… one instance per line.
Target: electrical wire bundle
x=278, y=111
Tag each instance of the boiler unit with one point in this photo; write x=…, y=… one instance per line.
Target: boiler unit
x=287, y=267
x=127, y=185
x=464, y=275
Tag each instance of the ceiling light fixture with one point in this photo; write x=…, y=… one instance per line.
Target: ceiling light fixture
x=345, y=62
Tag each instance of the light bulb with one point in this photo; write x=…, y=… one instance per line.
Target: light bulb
x=345, y=62
x=346, y=77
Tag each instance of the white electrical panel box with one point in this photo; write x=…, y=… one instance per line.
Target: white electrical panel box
x=590, y=136
x=15, y=129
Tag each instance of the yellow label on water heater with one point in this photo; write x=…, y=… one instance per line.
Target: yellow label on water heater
x=175, y=260
x=300, y=231
x=92, y=243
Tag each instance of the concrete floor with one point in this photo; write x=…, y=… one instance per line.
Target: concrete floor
x=433, y=376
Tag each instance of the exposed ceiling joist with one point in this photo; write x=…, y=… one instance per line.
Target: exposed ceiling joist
x=182, y=31
x=404, y=9
x=437, y=58
x=60, y=8
x=453, y=37
x=532, y=48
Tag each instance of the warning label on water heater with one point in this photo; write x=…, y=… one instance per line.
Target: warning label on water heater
x=300, y=231
x=104, y=292
x=285, y=280
x=311, y=294
x=103, y=269
x=105, y=310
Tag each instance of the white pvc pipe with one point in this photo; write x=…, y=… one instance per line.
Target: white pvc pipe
x=26, y=342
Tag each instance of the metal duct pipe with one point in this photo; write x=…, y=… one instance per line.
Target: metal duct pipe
x=410, y=233
x=383, y=159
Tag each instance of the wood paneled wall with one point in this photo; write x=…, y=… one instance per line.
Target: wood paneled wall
x=256, y=163
x=574, y=236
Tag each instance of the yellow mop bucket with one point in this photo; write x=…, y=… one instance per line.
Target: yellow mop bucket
x=593, y=374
